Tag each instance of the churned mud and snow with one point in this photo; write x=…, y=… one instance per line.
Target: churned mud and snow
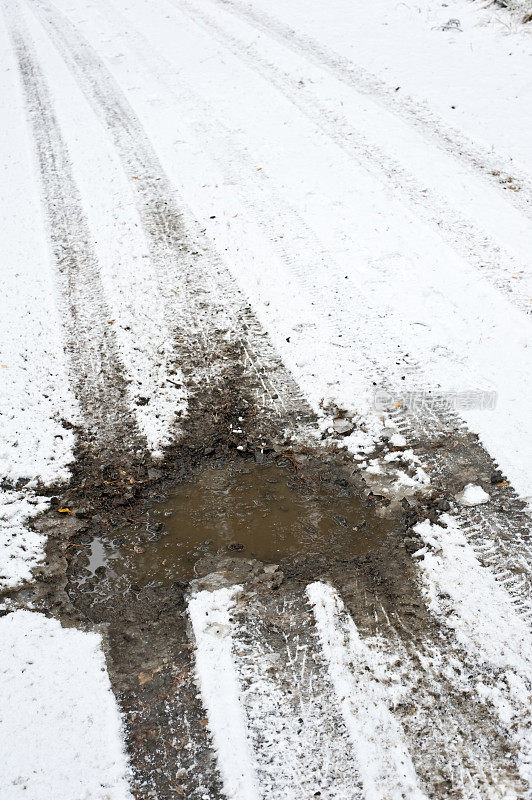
x=296, y=234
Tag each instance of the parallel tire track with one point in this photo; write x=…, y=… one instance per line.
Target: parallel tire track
x=213, y=311
x=500, y=532
x=483, y=162
x=342, y=710
x=461, y=233
x=98, y=377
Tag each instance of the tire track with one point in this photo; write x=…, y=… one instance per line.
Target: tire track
x=499, y=532
x=461, y=233
x=436, y=688
x=219, y=333
x=387, y=707
x=300, y=739
x=98, y=377
x=507, y=530
x=316, y=273
x=484, y=163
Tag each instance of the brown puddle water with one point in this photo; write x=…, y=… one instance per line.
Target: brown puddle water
x=243, y=508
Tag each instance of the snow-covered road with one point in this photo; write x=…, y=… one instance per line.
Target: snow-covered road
x=342, y=193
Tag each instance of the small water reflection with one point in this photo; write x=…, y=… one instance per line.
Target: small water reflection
x=241, y=509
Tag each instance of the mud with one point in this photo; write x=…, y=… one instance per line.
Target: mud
x=120, y=560
x=321, y=518
x=239, y=475
x=261, y=511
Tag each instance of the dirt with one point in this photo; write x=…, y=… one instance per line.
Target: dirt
x=116, y=563
x=246, y=497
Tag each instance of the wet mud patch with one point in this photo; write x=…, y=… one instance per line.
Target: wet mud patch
x=264, y=511
x=115, y=563
x=118, y=564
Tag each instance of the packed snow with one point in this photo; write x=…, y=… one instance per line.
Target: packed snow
x=473, y=495
x=210, y=614
x=385, y=765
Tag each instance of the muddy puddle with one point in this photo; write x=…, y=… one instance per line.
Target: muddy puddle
x=261, y=511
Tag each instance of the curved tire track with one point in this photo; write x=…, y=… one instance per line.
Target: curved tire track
x=486, y=165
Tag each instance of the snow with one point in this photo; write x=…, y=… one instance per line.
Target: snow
x=21, y=549
x=300, y=742
x=467, y=599
x=60, y=728
x=34, y=392
x=210, y=615
x=35, y=446
x=356, y=671
x=364, y=171
x=473, y=495
x=481, y=70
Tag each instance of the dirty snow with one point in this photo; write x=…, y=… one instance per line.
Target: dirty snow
x=34, y=392
x=60, y=729
x=467, y=599
x=383, y=760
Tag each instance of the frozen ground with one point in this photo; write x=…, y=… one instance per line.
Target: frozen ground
x=343, y=190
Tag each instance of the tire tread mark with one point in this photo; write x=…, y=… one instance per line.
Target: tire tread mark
x=99, y=381
x=213, y=309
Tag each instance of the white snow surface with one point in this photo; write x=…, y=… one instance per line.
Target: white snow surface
x=473, y=495
x=60, y=728
x=364, y=170
x=210, y=616
x=20, y=548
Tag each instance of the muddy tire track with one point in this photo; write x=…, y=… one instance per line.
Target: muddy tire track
x=500, y=532
x=150, y=661
x=458, y=746
x=98, y=378
x=217, y=334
